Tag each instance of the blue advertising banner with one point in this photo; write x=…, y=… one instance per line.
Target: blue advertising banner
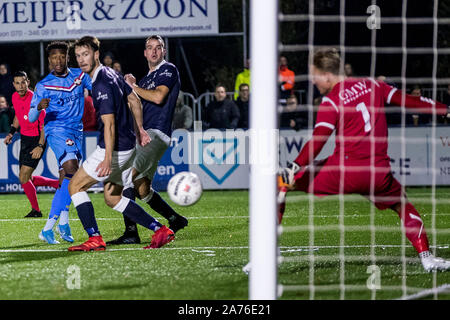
x=168, y=166
x=9, y=164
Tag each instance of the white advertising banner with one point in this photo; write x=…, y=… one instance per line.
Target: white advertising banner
x=70, y=19
x=221, y=159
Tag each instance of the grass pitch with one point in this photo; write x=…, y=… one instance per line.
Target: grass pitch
x=206, y=258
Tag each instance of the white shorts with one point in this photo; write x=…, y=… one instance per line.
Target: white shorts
x=147, y=157
x=120, y=167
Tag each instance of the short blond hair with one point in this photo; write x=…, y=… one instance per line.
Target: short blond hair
x=327, y=60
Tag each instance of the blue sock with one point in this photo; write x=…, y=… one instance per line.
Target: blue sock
x=61, y=200
x=85, y=211
x=135, y=212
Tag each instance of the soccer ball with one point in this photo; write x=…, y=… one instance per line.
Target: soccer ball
x=185, y=188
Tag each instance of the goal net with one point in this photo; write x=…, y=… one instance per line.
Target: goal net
x=342, y=246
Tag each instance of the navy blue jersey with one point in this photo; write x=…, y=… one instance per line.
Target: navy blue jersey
x=159, y=116
x=109, y=94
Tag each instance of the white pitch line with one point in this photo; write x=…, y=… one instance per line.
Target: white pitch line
x=196, y=249
x=121, y=219
x=123, y=249
x=219, y=217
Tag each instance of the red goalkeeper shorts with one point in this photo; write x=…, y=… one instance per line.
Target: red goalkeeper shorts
x=376, y=183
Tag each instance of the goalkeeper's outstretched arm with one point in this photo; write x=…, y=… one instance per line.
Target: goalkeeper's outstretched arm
x=313, y=147
x=419, y=103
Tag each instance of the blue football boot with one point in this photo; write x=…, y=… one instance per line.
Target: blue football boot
x=48, y=237
x=64, y=232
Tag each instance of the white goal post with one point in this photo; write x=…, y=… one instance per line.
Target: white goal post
x=263, y=149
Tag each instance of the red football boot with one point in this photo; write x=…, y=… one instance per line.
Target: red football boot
x=95, y=243
x=161, y=237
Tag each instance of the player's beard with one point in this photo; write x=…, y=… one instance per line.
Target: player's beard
x=92, y=65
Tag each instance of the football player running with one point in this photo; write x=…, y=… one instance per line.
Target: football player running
x=61, y=95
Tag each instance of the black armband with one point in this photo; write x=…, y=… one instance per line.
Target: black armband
x=12, y=130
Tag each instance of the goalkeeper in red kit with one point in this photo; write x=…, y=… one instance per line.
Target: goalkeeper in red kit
x=353, y=108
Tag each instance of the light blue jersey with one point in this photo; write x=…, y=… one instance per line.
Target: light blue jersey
x=63, y=120
x=66, y=96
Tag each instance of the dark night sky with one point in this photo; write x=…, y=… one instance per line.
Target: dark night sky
x=357, y=34
x=204, y=52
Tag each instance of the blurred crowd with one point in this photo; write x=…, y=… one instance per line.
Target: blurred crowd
x=231, y=111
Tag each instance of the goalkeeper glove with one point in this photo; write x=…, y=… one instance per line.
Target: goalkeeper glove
x=287, y=174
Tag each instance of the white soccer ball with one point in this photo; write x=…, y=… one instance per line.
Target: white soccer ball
x=185, y=188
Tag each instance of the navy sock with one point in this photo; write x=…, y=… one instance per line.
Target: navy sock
x=129, y=193
x=162, y=207
x=87, y=218
x=130, y=225
x=139, y=215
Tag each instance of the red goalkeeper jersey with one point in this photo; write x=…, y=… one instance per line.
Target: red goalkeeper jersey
x=355, y=109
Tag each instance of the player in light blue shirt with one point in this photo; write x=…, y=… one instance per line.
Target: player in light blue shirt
x=61, y=93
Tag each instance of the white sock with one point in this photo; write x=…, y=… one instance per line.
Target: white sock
x=50, y=223
x=64, y=217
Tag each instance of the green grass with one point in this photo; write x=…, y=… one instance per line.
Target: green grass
x=205, y=260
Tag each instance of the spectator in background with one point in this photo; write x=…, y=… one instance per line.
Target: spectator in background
x=242, y=103
x=89, y=116
x=291, y=117
x=182, y=115
x=117, y=67
x=5, y=115
x=416, y=91
x=348, y=70
x=381, y=78
x=6, y=83
x=419, y=118
x=286, y=79
x=221, y=113
x=108, y=59
x=243, y=77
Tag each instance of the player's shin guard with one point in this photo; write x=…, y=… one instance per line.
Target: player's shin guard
x=133, y=211
x=414, y=227
x=85, y=212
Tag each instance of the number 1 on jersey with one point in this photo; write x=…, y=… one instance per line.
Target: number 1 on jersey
x=366, y=116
